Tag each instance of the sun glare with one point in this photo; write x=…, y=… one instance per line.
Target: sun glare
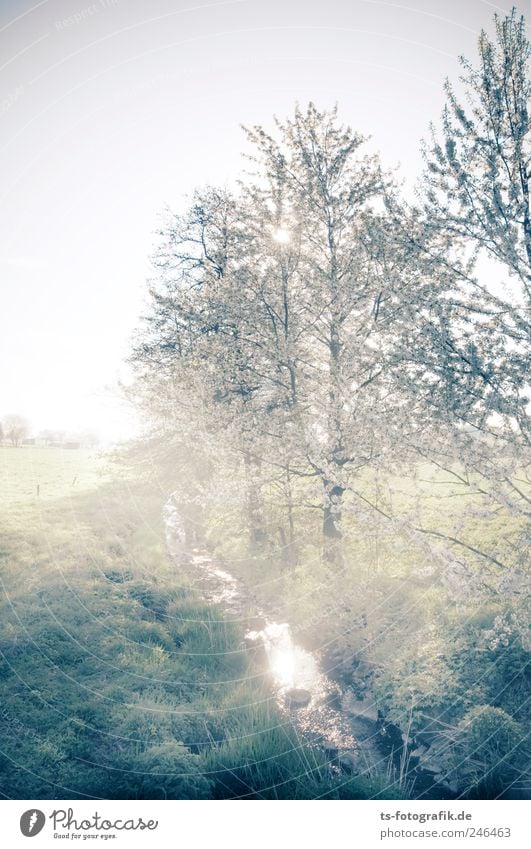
x=282, y=665
x=281, y=235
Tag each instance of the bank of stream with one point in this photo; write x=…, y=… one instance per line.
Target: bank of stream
x=354, y=736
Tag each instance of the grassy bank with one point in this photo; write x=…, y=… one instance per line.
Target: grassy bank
x=117, y=681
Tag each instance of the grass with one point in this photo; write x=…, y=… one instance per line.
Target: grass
x=28, y=473
x=117, y=681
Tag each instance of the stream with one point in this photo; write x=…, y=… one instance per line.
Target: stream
x=350, y=732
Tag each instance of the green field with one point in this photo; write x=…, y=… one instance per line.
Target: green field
x=117, y=681
x=28, y=473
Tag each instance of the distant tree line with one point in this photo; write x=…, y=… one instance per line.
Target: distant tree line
x=15, y=430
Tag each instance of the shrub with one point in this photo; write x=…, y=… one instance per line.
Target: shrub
x=489, y=750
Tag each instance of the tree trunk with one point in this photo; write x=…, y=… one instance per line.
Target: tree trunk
x=284, y=548
x=292, y=545
x=332, y=534
x=194, y=528
x=257, y=533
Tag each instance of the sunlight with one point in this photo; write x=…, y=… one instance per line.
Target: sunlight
x=281, y=235
x=281, y=655
x=282, y=664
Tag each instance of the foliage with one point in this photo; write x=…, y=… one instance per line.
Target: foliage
x=475, y=197
x=491, y=744
x=478, y=173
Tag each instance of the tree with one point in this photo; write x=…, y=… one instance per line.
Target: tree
x=479, y=171
x=16, y=428
x=89, y=438
x=51, y=437
x=271, y=296
x=465, y=359
x=323, y=192
x=475, y=197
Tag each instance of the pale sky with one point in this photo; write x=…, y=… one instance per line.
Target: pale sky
x=113, y=110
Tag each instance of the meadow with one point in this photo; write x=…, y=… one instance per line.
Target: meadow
x=31, y=473
x=117, y=680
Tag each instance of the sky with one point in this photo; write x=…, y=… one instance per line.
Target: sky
x=113, y=111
